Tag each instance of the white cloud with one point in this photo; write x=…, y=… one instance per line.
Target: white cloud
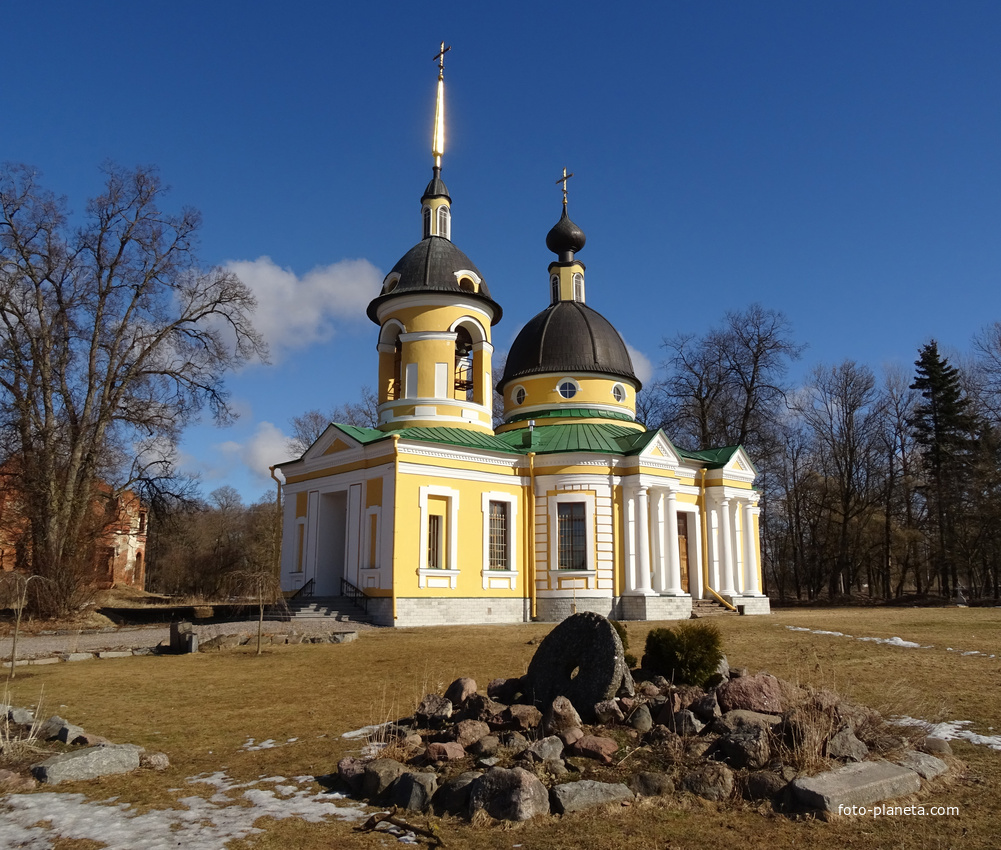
x=641, y=364
x=263, y=448
x=294, y=312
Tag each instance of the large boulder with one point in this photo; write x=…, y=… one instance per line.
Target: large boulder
x=560, y=716
x=711, y=782
x=747, y=746
x=468, y=732
x=581, y=659
x=453, y=797
x=595, y=747
x=844, y=746
x=413, y=791
x=380, y=774
x=586, y=794
x=650, y=784
x=509, y=795
x=89, y=763
x=460, y=690
x=761, y=692
x=433, y=710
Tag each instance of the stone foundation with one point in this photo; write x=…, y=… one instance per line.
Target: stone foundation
x=556, y=609
x=750, y=604
x=655, y=607
x=412, y=611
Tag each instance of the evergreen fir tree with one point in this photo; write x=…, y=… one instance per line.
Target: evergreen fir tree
x=943, y=428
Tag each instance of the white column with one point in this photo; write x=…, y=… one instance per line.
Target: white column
x=695, y=587
x=657, y=540
x=643, y=541
x=726, y=565
x=674, y=587
x=751, y=584
x=629, y=533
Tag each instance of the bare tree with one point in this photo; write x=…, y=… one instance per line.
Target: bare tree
x=112, y=338
x=724, y=388
x=307, y=427
x=842, y=408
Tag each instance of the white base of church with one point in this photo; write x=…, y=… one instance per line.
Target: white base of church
x=750, y=604
x=479, y=611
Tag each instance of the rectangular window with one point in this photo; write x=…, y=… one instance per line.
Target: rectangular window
x=572, y=536
x=435, y=523
x=498, y=536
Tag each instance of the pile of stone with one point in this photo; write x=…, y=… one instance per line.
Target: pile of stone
x=184, y=639
x=86, y=756
x=578, y=731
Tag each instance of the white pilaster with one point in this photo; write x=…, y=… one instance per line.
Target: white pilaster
x=726, y=565
x=660, y=581
x=629, y=529
x=674, y=587
x=643, y=541
x=751, y=585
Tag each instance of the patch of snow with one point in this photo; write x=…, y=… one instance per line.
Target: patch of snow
x=951, y=730
x=365, y=731
x=895, y=641
x=249, y=745
x=38, y=821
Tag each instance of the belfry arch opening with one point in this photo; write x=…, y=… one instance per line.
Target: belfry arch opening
x=465, y=376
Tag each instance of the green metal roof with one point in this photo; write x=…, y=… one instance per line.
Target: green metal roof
x=712, y=458
x=458, y=437
x=572, y=413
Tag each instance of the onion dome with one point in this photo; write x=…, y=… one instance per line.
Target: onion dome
x=568, y=337
x=435, y=265
x=565, y=238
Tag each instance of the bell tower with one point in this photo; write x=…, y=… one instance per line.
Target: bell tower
x=435, y=314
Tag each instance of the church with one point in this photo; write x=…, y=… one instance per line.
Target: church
x=569, y=504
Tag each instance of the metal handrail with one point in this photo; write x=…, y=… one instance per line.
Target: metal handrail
x=720, y=599
x=306, y=591
x=357, y=596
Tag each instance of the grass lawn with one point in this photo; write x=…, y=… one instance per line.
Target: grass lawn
x=202, y=709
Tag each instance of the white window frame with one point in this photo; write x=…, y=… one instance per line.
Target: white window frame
x=447, y=577
x=554, y=288
x=567, y=380
x=514, y=394
x=554, y=534
x=578, y=287
x=444, y=218
x=625, y=393
x=500, y=579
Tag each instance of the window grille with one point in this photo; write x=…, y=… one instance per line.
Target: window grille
x=498, y=536
x=434, y=542
x=572, y=536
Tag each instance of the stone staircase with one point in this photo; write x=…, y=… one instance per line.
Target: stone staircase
x=710, y=608
x=338, y=608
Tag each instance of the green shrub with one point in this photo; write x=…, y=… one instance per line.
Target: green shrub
x=688, y=654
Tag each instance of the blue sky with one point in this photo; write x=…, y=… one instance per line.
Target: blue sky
x=835, y=160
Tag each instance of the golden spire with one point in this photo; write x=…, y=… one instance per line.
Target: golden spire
x=438, y=143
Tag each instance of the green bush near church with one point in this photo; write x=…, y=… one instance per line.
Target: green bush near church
x=688, y=654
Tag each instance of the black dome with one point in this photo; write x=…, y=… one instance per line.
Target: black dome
x=565, y=237
x=430, y=266
x=568, y=337
x=436, y=188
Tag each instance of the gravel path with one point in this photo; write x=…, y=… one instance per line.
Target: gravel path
x=137, y=637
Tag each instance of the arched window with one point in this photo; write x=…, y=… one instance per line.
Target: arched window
x=426, y=214
x=578, y=287
x=466, y=284
x=465, y=384
x=396, y=390
x=554, y=283
x=444, y=223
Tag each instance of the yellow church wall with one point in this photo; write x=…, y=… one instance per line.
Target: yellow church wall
x=419, y=318
x=301, y=504
x=373, y=493
x=465, y=525
x=540, y=390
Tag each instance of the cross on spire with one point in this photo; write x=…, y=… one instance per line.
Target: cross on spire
x=563, y=180
x=439, y=57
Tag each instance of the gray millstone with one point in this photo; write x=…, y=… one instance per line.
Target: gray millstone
x=413, y=791
x=581, y=659
x=856, y=785
x=88, y=763
x=586, y=794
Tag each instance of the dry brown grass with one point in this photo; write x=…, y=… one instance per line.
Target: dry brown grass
x=201, y=709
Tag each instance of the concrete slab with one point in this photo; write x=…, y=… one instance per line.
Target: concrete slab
x=856, y=785
x=115, y=654
x=49, y=659
x=78, y=656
